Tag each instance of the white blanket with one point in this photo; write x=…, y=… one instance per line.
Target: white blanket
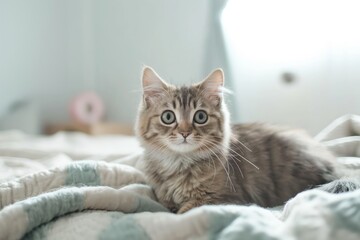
x=102, y=200
x=21, y=154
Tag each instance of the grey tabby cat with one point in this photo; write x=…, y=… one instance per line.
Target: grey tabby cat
x=193, y=156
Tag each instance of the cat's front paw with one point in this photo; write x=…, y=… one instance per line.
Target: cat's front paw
x=174, y=210
x=186, y=207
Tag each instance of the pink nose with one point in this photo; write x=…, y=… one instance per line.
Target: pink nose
x=185, y=134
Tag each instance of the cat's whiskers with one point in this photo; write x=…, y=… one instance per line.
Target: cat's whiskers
x=241, y=156
x=208, y=153
x=251, y=163
x=158, y=151
x=207, y=156
x=247, y=160
x=231, y=156
x=156, y=148
x=242, y=144
x=242, y=175
x=229, y=165
x=215, y=171
x=227, y=172
x=222, y=164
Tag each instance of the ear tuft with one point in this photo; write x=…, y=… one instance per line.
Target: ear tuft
x=153, y=85
x=212, y=86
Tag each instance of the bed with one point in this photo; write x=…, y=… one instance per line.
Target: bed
x=73, y=186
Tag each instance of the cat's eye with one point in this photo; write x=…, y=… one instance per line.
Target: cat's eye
x=168, y=117
x=200, y=117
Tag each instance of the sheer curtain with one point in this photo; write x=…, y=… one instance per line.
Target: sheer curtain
x=317, y=42
x=215, y=54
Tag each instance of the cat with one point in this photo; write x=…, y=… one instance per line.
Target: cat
x=193, y=156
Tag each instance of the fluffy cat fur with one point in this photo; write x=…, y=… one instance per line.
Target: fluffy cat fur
x=190, y=164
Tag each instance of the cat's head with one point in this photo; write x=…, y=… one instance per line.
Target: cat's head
x=188, y=119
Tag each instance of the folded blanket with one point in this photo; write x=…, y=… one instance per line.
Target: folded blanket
x=37, y=199
x=98, y=200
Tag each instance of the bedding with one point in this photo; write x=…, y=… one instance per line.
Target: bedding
x=72, y=186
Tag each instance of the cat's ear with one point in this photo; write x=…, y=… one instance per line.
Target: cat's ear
x=212, y=86
x=153, y=86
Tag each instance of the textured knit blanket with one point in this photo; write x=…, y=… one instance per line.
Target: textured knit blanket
x=99, y=200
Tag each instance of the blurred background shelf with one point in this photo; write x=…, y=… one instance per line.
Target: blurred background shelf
x=103, y=128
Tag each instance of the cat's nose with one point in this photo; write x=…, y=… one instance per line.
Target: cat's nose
x=185, y=134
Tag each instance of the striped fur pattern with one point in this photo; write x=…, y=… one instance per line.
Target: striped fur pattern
x=190, y=162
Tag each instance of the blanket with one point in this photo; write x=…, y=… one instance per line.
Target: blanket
x=100, y=200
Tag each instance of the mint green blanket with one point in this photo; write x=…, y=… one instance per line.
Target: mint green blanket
x=99, y=200
x=83, y=201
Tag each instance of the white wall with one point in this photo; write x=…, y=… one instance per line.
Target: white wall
x=167, y=35
x=51, y=50
x=31, y=54
x=317, y=41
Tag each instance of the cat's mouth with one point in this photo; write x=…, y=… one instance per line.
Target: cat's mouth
x=184, y=143
x=182, y=146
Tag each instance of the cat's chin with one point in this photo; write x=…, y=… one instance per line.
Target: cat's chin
x=182, y=147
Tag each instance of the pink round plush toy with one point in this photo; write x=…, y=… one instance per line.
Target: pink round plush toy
x=87, y=108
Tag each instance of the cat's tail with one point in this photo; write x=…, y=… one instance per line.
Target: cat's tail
x=342, y=138
x=341, y=185
x=347, y=178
